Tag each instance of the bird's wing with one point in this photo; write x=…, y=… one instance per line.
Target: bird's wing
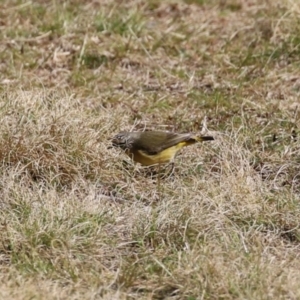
x=157, y=141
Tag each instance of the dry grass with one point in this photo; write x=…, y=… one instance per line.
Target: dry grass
x=77, y=222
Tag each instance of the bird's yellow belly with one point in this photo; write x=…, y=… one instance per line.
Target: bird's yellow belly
x=164, y=156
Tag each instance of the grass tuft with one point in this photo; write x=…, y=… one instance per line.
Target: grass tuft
x=79, y=219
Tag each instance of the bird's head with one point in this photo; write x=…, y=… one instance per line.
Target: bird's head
x=122, y=140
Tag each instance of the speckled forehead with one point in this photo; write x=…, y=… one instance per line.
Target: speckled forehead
x=122, y=136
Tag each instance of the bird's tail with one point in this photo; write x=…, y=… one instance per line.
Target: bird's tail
x=204, y=138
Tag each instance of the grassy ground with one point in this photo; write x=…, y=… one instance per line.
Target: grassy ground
x=77, y=222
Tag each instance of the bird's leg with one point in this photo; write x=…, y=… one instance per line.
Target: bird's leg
x=172, y=167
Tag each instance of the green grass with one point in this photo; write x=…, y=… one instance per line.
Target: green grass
x=79, y=219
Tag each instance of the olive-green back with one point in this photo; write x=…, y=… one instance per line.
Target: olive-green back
x=153, y=142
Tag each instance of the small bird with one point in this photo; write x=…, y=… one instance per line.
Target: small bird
x=155, y=147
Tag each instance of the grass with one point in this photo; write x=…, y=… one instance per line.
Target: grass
x=80, y=220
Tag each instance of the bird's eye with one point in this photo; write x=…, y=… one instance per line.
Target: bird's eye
x=120, y=139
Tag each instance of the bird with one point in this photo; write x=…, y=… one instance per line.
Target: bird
x=155, y=147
